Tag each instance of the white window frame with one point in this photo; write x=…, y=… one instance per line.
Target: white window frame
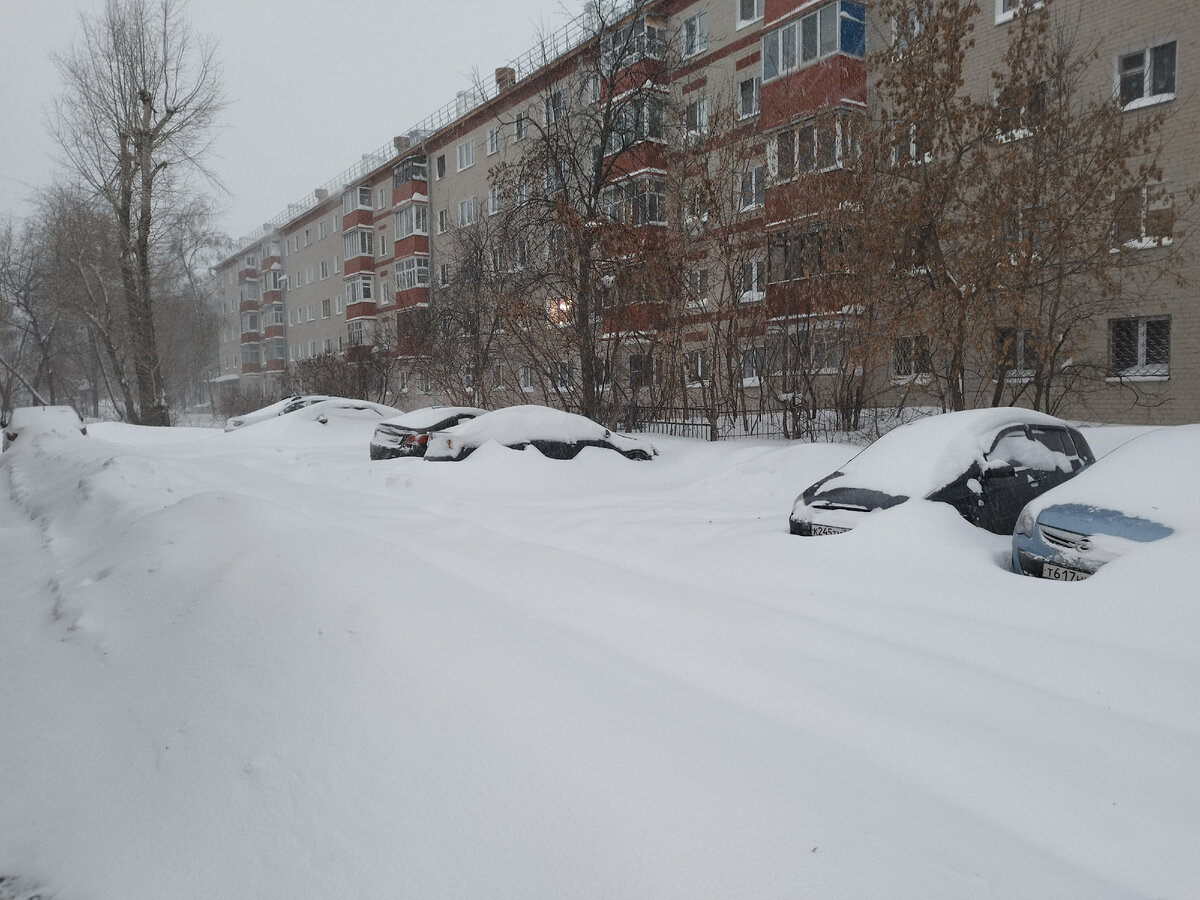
x=1147, y=71
x=757, y=10
x=755, y=94
x=466, y=155
x=694, y=35
x=360, y=289
x=756, y=179
x=493, y=140
x=468, y=212
x=493, y=200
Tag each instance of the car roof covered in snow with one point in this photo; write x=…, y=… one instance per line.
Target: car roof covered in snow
x=916, y=459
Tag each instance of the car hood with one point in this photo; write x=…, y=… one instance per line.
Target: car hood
x=1080, y=518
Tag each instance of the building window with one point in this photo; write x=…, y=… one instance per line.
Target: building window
x=1145, y=217
x=560, y=374
x=818, y=348
x=443, y=221
x=1016, y=353
x=640, y=202
x=520, y=127
x=412, y=272
x=468, y=212
x=911, y=357
x=525, y=374
x=360, y=289
x=493, y=200
x=748, y=11
x=748, y=92
x=753, y=361
x=1139, y=347
x=415, y=168
x=307, y=237
x=312, y=312
x=359, y=242
x=752, y=280
x=383, y=245
x=324, y=269
x=553, y=107
x=593, y=87
x=697, y=286
x=328, y=345
x=696, y=117
x=326, y=308
x=412, y=219
x=337, y=304
x=355, y=198
x=439, y=167
x=381, y=198
x=695, y=34
x=1147, y=76
x=466, y=155
x=322, y=229
x=802, y=254
x=493, y=142
x=697, y=367
x=444, y=275
x=835, y=27
x=753, y=188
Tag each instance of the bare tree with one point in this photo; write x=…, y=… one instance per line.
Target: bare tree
x=573, y=196
x=134, y=122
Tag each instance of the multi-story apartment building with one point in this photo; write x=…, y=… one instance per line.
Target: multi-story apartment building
x=704, y=115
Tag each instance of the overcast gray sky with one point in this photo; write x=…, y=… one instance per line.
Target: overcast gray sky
x=312, y=84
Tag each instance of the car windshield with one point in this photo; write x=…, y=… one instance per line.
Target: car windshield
x=853, y=498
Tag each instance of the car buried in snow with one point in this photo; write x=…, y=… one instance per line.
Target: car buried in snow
x=279, y=408
x=408, y=434
x=554, y=433
x=30, y=420
x=986, y=463
x=1141, y=492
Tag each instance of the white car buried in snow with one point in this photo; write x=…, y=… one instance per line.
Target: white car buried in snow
x=554, y=433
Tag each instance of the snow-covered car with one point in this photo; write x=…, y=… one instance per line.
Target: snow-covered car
x=986, y=463
x=408, y=434
x=1141, y=492
x=42, y=420
x=554, y=433
x=344, y=408
x=282, y=407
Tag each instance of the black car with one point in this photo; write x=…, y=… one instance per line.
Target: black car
x=408, y=434
x=986, y=463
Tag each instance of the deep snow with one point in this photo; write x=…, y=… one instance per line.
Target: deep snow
x=257, y=664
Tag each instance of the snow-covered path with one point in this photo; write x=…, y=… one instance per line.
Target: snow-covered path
x=259, y=664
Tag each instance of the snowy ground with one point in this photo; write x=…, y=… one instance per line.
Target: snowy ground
x=258, y=665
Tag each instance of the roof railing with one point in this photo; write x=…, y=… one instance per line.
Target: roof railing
x=549, y=47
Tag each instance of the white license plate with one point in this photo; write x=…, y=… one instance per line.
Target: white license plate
x=827, y=529
x=1061, y=573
